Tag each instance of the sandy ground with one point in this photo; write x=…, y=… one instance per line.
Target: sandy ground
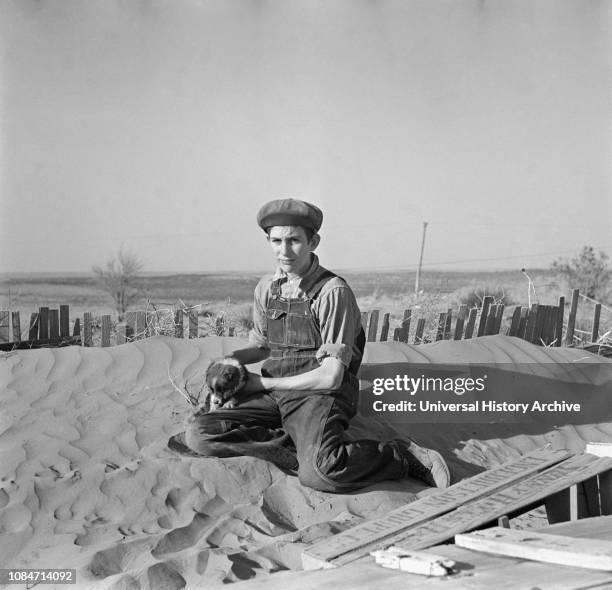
x=87, y=482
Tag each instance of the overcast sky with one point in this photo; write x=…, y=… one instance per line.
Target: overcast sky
x=163, y=125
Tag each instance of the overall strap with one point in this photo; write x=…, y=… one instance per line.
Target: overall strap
x=275, y=289
x=312, y=285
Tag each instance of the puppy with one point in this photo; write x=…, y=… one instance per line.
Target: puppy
x=225, y=378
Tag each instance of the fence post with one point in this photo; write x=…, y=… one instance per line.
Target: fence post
x=76, y=330
x=373, y=325
x=499, y=318
x=16, y=326
x=484, y=312
x=515, y=322
x=193, y=323
x=460, y=321
x=178, y=323
x=559, y=325
x=469, y=329
x=121, y=333
x=418, y=336
x=531, y=323
x=441, y=326
x=64, y=321
x=130, y=326
x=54, y=324
x=490, y=321
x=43, y=323
x=141, y=325
x=447, y=325
x=87, y=340
x=596, y=315
x=571, y=321
x=33, y=329
x=384, y=331
x=405, y=327
x=4, y=327
x=106, y=330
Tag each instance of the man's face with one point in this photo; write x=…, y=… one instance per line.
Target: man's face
x=292, y=248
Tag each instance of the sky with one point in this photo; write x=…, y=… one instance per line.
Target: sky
x=162, y=126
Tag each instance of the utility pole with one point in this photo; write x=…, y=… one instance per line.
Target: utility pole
x=418, y=275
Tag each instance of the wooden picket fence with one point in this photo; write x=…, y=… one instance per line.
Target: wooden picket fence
x=540, y=324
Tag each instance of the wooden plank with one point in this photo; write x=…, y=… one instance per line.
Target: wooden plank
x=16, y=320
x=397, y=334
x=510, y=499
x=33, y=329
x=384, y=331
x=130, y=326
x=545, y=547
x=64, y=320
x=486, y=303
x=418, y=335
x=559, y=322
x=54, y=332
x=178, y=323
x=460, y=322
x=106, y=330
x=76, y=330
x=469, y=329
x=5, y=326
x=531, y=322
x=140, y=331
x=596, y=316
x=499, y=318
x=121, y=337
x=441, y=326
x=405, y=327
x=373, y=325
x=571, y=320
x=193, y=323
x=539, y=324
x=489, y=328
x=523, y=322
x=43, y=323
x=361, y=538
x=447, y=326
x=87, y=337
x=516, y=320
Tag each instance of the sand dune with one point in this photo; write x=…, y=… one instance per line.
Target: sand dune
x=87, y=482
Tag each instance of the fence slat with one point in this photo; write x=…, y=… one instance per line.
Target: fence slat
x=43, y=323
x=469, y=329
x=441, y=326
x=141, y=325
x=121, y=337
x=559, y=325
x=16, y=319
x=447, y=325
x=373, y=325
x=384, y=331
x=499, y=318
x=596, y=316
x=33, y=329
x=76, y=330
x=130, y=326
x=531, y=323
x=106, y=330
x=484, y=312
x=523, y=322
x=87, y=339
x=418, y=335
x=193, y=323
x=396, y=334
x=571, y=320
x=461, y=315
x=4, y=327
x=54, y=324
x=490, y=322
x=515, y=322
x=550, y=325
x=178, y=323
x=64, y=321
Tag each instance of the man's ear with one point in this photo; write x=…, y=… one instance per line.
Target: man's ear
x=314, y=242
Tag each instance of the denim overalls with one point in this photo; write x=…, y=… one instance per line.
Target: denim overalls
x=299, y=431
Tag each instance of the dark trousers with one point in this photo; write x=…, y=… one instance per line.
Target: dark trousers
x=300, y=431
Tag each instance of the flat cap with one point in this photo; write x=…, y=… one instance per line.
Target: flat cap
x=290, y=212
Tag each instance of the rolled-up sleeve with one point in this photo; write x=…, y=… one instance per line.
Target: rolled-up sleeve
x=259, y=335
x=339, y=317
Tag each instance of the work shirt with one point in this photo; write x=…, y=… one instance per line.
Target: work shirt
x=335, y=310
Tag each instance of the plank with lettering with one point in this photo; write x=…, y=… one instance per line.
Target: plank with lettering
x=369, y=534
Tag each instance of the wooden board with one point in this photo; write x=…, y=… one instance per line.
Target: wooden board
x=559, y=549
x=359, y=539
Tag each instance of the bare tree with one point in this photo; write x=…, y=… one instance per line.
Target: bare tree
x=118, y=279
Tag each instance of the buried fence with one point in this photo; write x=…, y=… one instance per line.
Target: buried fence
x=540, y=324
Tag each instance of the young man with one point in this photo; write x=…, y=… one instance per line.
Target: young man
x=307, y=328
